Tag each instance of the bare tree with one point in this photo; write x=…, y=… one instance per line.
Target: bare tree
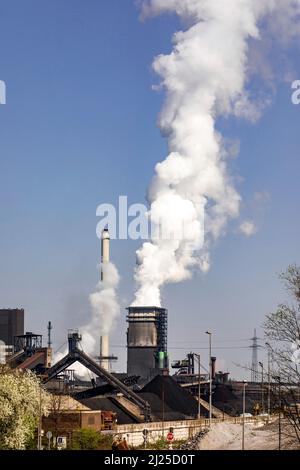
x=56, y=407
x=282, y=332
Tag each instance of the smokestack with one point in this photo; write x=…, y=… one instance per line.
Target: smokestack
x=49, y=328
x=104, y=351
x=213, y=367
x=105, y=239
x=104, y=339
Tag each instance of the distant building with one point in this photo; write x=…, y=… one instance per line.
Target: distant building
x=5, y=352
x=11, y=324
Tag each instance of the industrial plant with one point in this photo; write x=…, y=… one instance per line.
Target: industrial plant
x=153, y=394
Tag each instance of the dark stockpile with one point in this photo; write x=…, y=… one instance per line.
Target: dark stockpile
x=174, y=396
x=105, y=388
x=193, y=442
x=94, y=392
x=230, y=402
x=168, y=401
x=160, y=411
x=105, y=404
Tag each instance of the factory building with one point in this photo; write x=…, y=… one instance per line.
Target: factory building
x=11, y=324
x=147, y=341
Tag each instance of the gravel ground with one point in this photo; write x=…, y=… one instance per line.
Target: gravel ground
x=227, y=436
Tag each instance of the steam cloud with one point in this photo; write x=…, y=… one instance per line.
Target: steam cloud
x=104, y=303
x=204, y=77
x=104, y=312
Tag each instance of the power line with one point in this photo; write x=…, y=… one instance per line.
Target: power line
x=60, y=347
x=188, y=347
x=216, y=341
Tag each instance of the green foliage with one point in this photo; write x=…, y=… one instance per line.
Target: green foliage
x=161, y=444
x=88, y=439
x=31, y=443
x=105, y=442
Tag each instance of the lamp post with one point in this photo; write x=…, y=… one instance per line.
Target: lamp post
x=163, y=406
x=279, y=419
x=199, y=384
x=244, y=411
x=262, y=387
x=269, y=378
x=39, y=446
x=278, y=378
x=210, y=377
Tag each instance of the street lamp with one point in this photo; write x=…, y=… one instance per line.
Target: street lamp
x=244, y=411
x=262, y=387
x=210, y=377
x=39, y=446
x=278, y=378
x=269, y=378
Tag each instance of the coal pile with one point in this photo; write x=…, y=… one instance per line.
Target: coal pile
x=175, y=397
x=229, y=402
x=105, y=404
x=161, y=411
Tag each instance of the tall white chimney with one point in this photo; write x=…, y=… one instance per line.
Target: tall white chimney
x=104, y=339
x=105, y=239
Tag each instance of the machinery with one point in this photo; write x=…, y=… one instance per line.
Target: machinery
x=29, y=353
x=76, y=355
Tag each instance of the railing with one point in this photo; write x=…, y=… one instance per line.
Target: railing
x=193, y=423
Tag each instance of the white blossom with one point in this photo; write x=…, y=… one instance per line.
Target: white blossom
x=21, y=400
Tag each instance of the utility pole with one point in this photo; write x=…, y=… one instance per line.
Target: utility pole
x=269, y=379
x=244, y=411
x=262, y=387
x=254, y=365
x=40, y=422
x=279, y=419
x=163, y=406
x=210, y=377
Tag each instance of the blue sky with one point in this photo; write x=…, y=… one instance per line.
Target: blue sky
x=79, y=129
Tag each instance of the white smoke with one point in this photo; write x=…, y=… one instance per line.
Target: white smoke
x=105, y=310
x=204, y=77
x=104, y=303
x=248, y=228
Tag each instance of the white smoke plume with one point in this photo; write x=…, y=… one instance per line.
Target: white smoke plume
x=248, y=228
x=105, y=310
x=204, y=77
x=104, y=303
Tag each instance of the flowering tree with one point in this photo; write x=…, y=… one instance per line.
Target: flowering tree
x=22, y=399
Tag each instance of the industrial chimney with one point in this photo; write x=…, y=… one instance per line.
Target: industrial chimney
x=105, y=240
x=147, y=341
x=104, y=340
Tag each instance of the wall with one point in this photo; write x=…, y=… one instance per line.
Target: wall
x=64, y=423
x=91, y=420
x=182, y=430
